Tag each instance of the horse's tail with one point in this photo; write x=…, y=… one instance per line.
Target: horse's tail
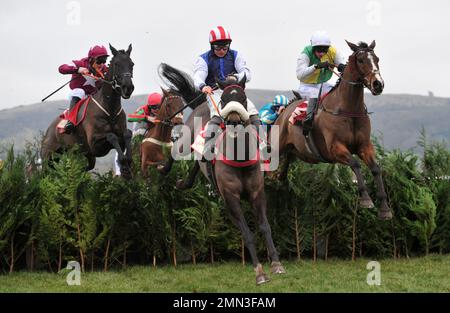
x=180, y=82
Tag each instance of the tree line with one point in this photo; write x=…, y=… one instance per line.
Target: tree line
x=61, y=213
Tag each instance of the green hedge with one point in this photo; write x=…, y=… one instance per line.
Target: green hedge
x=54, y=215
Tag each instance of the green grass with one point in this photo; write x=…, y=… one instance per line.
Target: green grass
x=426, y=274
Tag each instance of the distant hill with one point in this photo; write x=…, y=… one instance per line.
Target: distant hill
x=398, y=118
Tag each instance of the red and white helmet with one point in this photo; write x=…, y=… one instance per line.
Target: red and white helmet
x=97, y=51
x=219, y=34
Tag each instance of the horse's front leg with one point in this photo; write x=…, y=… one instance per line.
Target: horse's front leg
x=367, y=154
x=344, y=156
x=166, y=167
x=189, y=182
x=127, y=138
x=113, y=140
x=259, y=204
x=233, y=204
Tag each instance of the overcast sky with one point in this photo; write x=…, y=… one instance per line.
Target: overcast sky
x=413, y=39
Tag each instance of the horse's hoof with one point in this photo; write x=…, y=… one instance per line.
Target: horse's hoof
x=277, y=268
x=180, y=184
x=366, y=203
x=261, y=279
x=385, y=215
x=161, y=169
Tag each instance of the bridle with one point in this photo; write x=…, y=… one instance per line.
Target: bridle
x=242, y=89
x=167, y=122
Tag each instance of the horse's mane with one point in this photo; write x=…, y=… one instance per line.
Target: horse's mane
x=182, y=84
x=363, y=46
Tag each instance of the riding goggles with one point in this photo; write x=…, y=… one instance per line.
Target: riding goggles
x=322, y=49
x=221, y=47
x=101, y=60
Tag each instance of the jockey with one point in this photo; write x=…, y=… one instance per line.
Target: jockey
x=145, y=116
x=219, y=62
x=143, y=119
x=270, y=111
x=313, y=71
x=81, y=84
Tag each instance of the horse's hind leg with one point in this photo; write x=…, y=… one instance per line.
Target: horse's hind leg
x=189, y=182
x=367, y=154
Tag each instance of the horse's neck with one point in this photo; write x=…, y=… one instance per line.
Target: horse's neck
x=110, y=99
x=351, y=96
x=245, y=144
x=161, y=131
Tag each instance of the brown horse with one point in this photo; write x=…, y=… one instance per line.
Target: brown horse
x=341, y=127
x=105, y=126
x=233, y=181
x=159, y=136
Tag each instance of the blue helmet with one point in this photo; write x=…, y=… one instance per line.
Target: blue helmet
x=280, y=100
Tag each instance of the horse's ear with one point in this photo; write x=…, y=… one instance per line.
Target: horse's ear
x=352, y=46
x=165, y=92
x=242, y=81
x=372, y=45
x=220, y=83
x=296, y=94
x=128, y=52
x=113, y=50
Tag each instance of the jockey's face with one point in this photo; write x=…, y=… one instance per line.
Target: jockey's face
x=154, y=110
x=221, y=50
x=320, y=51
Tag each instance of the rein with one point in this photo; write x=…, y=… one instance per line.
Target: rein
x=189, y=103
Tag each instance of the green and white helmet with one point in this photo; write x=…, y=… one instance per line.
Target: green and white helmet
x=320, y=38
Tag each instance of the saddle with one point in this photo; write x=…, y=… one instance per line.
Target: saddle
x=76, y=115
x=299, y=114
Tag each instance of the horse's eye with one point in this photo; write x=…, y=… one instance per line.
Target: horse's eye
x=360, y=61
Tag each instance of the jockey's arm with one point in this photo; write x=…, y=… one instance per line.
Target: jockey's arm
x=268, y=118
x=200, y=73
x=303, y=68
x=339, y=59
x=68, y=68
x=241, y=67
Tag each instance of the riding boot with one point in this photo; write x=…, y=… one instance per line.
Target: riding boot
x=212, y=129
x=69, y=128
x=256, y=122
x=308, y=121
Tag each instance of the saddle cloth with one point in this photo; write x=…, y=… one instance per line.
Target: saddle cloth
x=76, y=115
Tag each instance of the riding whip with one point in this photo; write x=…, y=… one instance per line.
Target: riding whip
x=57, y=90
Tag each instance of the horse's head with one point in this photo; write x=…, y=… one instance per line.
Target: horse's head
x=171, y=103
x=234, y=101
x=363, y=64
x=121, y=72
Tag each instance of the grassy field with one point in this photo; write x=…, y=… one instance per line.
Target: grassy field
x=427, y=274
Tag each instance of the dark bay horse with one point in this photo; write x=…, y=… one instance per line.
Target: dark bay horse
x=233, y=182
x=105, y=126
x=342, y=126
x=153, y=152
